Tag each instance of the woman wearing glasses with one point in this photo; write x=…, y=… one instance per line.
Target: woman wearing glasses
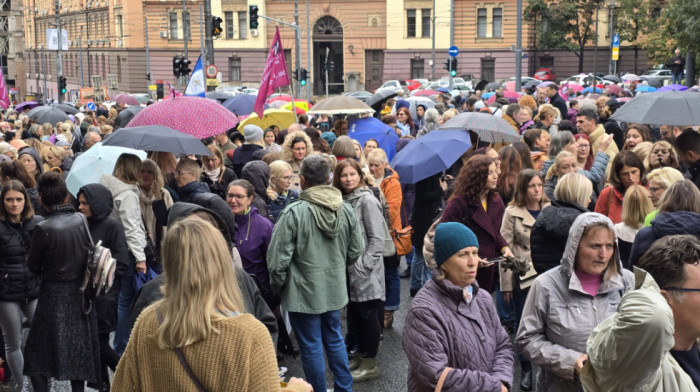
x=278, y=191
x=405, y=122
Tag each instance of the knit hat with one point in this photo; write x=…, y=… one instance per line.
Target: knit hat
x=329, y=137
x=252, y=133
x=401, y=104
x=450, y=238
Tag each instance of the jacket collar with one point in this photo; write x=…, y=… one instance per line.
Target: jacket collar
x=62, y=208
x=524, y=214
x=452, y=291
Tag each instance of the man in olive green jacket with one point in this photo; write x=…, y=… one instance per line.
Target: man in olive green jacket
x=314, y=240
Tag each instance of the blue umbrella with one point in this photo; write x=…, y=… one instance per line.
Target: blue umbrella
x=645, y=89
x=487, y=95
x=673, y=87
x=363, y=129
x=590, y=89
x=443, y=90
x=241, y=105
x=430, y=154
x=89, y=166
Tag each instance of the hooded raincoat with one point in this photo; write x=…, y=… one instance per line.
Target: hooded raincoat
x=258, y=174
x=559, y=315
x=252, y=238
x=665, y=223
x=127, y=210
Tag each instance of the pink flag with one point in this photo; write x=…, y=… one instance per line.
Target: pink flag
x=4, y=98
x=275, y=74
x=173, y=91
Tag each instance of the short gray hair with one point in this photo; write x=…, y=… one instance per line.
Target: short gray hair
x=559, y=140
x=316, y=170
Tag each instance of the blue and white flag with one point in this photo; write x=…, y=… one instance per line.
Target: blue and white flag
x=196, y=85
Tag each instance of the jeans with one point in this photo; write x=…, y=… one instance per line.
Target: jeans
x=11, y=324
x=420, y=273
x=126, y=296
x=505, y=309
x=314, y=333
x=677, y=78
x=409, y=258
x=393, y=288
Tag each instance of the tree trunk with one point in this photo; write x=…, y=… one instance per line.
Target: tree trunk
x=690, y=69
x=580, y=61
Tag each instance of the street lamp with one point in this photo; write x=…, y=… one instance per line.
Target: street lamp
x=612, y=4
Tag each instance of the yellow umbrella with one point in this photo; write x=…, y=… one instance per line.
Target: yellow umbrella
x=303, y=105
x=281, y=117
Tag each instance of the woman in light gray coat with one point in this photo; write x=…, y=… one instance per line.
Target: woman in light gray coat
x=366, y=276
x=567, y=302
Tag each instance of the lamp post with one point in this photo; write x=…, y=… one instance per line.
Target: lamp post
x=611, y=6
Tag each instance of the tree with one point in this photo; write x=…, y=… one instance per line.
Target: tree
x=683, y=25
x=633, y=23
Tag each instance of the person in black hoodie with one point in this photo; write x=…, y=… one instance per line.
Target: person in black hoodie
x=244, y=154
x=258, y=174
x=95, y=202
x=428, y=206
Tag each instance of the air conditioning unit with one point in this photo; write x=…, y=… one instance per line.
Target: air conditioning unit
x=163, y=34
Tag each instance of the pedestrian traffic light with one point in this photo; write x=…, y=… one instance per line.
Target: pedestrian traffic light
x=447, y=65
x=216, y=26
x=453, y=67
x=253, y=17
x=176, y=65
x=62, y=84
x=185, y=67
x=302, y=76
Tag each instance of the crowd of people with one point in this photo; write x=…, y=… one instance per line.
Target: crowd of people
x=289, y=227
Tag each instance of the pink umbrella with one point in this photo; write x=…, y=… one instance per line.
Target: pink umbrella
x=507, y=94
x=125, y=99
x=284, y=98
x=510, y=86
x=199, y=117
x=423, y=93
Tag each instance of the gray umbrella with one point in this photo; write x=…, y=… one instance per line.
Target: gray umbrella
x=157, y=138
x=379, y=96
x=218, y=95
x=46, y=114
x=126, y=115
x=493, y=86
x=415, y=101
x=612, y=78
x=65, y=108
x=664, y=108
x=487, y=127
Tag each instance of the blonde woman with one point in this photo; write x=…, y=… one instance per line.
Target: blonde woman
x=659, y=180
x=636, y=205
x=199, y=318
x=215, y=174
x=565, y=162
x=278, y=191
x=661, y=155
x=57, y=157
x=152, y=188
x=297, y=146
x=547, y=118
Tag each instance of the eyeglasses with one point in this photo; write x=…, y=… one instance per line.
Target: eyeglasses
x=583, y=146
x=233, y=195
x=683, y=289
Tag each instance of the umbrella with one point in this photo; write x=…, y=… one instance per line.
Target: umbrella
x=631, y=77
x=281, y=97
x=624, y=99
x=241, y=105
x=341, y=105
x=423, y=93
x=506, y=94
x=443, y=90
x=493, y=86
x=89, y=166
x=125, y=99
x=379, y=96
x=67, y=109
x=196, y=116
x=218, y=95
x=279, y=117
x=510, y=86
x=300, y=104
x=363, y=129
x=571, y=87
x=531, y=83
x=415, y=101
x=645, y=89
x=26, y=104
x=429, y=155
x=127, y=115
x=591, y=89
x=655, y=82
x=47, y=114
x=487, y=95
x=669, y=107
x=612, y=78
x=673, y=87
x=489, y=128
x=157, y=138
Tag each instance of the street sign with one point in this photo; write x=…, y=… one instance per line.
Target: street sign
x=453, y=51
x=615, y=53
x=212, y=82
x=91, y=106
x=211, y=71
x=152, y=87
x=616, y=41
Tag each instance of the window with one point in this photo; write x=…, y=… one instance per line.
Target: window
x=234, y=66
x=411, y=23
x=228, y=20
x=417, y=68
x=242, y=25
x=173, y=25
x=546, y=62
x=481, y=22
x=611, y=26
x=488, y=69
x=120, y=26
x=497, y=14
x=186, y=26
x=425, y=23
x=656, y=13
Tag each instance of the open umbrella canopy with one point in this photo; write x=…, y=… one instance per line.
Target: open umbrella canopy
x=47, y=114
x=382, y=94
x=279, y=117
x=125, y=99
x=487, y=127
x=493, y=86
x=89, y=166
x=126, y=115
x=673, y=87
x=415, y=101
x=631, y=77
x=340, y=104
x=196, y=116
x=157, y=138
x=67, y=109
x=280, y=97
x=423, y=93
x=612, y=78
x=301, y=104
x=363, y=129
x=242, y=105
x=645, y=89
x=591, y=89
x=218, y=95
x=25, y=105
x=506, y=94
x=670, y=107
x=429, y=155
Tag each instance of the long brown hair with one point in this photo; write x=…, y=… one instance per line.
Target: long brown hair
x=339, y=169
x=511, y=165
x=14, y=185
x=471, y=180
x=521, y=186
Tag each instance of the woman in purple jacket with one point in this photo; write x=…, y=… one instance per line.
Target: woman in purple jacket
x=453, y=335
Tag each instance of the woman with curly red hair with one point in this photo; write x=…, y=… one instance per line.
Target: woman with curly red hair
x=477, y=204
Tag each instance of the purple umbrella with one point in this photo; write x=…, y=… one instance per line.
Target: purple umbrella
x=26, y=105
x=673, y=87
x=199, y=117
x=241, y=105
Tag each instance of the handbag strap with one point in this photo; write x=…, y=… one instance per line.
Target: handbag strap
x=441, y=381
x=87, y=229
x=183, y=361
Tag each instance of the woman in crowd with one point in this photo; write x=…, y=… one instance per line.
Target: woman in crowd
x=253, y=143
x=525, y=154
x=519, y=218
x=167, y=163
x=659, y=180
x=511, y=165
x=57, y=157
x=152, y=189
x=451, y=319
x=547, y=117
x=366, y=276
x=636, y=134
x=431, y=123
x=320, y=145
x=537, y=139
x=95, y=202
x=341, y=127
x=344, y=148
x=635, y=207
x=388, y=181
x=357, y=147
x=269, y=137
x=257, y=173
x=32, y=162
x=661, y=155
x=405, y=122
x=296, y=147
x=19, y=288
x=565, y=162
x=476, y=204
x=62, y=342
x=123, y=185
x=584, y=151
x=215, y=174
x=278, y=191
x=16, y=171
x=627, y=170
x=561, y=141
x=567, y=302
x=198, y=265
x=551, y=229
x=370, y=145
x=420, y=120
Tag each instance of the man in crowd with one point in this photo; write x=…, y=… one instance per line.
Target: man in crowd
x=225, y=144
x=511, y=114
x=670, y=132
x=676, y=65
x=91, y=138
x=688, y=147
x=555, y=99
x=314, y=240
x=587, y=122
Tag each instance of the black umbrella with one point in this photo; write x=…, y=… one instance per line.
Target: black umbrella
x=489, y=128
x=218, y=95
x=493, y=86
x=530, y=83
x=381, y=95
x=65, y=108
x=480, y=86
x=612, y=78
x=46, y=114
x=157, y=138
x=662, y=108
x=126, y=115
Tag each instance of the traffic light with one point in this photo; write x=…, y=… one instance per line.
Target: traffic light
x=176, y=65
x=216, y=26
x=253, y=17
x=295, y=74
x=62, y=85
x=302, y=76
x=185, y=66
x=453, y=67
x=447, y=65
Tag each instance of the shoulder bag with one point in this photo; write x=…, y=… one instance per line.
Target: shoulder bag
x=99, y=272
x=183, y=361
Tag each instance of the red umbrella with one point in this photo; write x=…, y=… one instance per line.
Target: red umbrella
x=507, y=94
x=413, y=84
x=285, y=98
x=199, y=117
x=125, y=99
x=423, y=93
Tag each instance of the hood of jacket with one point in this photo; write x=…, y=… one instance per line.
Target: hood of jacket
x=357, y=194
x=677, y=222
x=194, y=187
x=34, y=154
x=325, y=204
x=258, y=174
x=576, y=232
x=100, y=200
x=117, y=186
x=181, y=210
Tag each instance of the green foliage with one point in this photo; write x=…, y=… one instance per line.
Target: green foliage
x=633, y=20
x=684, y=24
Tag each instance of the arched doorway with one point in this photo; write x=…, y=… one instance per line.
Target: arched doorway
x=328, y=55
